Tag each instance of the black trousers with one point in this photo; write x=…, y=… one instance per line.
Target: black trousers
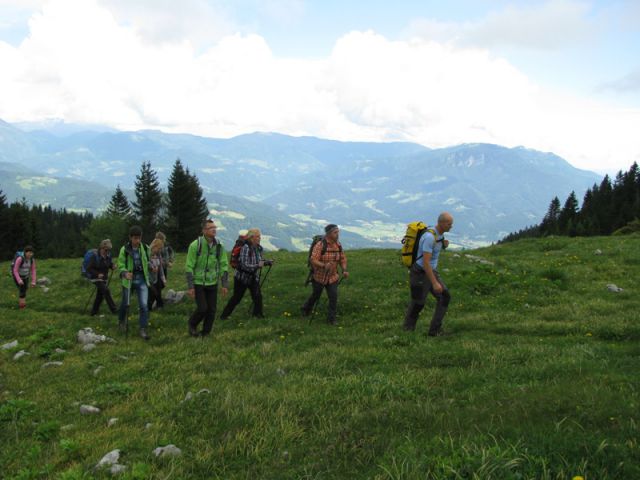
x=239, y=289
x=420, y=288
x=206, y=301
x=155, y=295
x=22, y=289
x=102, y=293
x=316, y=292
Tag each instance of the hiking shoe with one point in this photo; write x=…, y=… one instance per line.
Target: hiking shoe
x=193, y=331
x=143, y=334
x=440, y=333
x=304, y=313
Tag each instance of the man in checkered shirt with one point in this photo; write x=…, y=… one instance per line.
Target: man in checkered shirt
x=326, y=256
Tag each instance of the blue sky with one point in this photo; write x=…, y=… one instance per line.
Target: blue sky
x=555, y=75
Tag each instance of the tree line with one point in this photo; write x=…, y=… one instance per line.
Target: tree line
x=608, y=208
x=59, y=233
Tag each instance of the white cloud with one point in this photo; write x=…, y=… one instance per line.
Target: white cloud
x=548, y=26
x=82, y=64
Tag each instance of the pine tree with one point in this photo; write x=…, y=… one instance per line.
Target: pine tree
x=568, y=215
x=549, y=225
x=4, y=226
x=119, y=205
x=186, y=206
x=148, y=204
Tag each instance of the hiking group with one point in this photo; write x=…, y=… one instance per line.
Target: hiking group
x=143, y=270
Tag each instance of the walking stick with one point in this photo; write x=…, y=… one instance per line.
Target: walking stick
x=91, y=294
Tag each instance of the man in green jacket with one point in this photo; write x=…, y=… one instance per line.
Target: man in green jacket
x=133, y=265
x=207, y=265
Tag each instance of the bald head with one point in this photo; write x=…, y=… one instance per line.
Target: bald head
x=445, y=222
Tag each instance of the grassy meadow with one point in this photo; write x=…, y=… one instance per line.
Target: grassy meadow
x=539, y=379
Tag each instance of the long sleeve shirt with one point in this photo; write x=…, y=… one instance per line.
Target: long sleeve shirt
x=24, y=269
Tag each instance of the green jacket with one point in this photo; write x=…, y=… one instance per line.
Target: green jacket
x=125, y=262
x=203, y=267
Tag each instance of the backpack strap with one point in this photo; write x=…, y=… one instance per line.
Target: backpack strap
x=199, y=252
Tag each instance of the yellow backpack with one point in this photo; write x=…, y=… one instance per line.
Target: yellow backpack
x=410, y=242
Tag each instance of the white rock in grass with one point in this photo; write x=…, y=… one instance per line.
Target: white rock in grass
x=51, y=364
x=87, y=335
x=204, y=390
x=117, y=469
x=64, y=428
x=88, y=409
x=60, y=350
x=88, y=347
x=281, y=372
x=20, y=354
x=188, y=397
x=10, y=345
x=167, y=451
x=43, y=281
x=148, y=426
x=98, y=370
x=112, y=422
x=44, y=289
x=598, y=252
x=109, y=459
x=614, y=288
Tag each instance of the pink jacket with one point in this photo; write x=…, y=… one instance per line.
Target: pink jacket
x=16, y=270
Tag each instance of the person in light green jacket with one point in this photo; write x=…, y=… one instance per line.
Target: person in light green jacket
x=133, y=265
x=207, y=266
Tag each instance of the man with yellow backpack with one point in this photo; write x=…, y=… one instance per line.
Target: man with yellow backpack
x=420, y=252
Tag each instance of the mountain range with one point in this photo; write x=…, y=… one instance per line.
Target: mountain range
x=291, y=186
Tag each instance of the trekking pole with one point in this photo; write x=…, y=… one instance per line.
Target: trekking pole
x=91, y=294
x=259, y=288
x=265, y=276
x=319, y=301
x=126, y=310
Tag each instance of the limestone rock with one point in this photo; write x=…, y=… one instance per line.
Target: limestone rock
x=109, y=459
x=614, y=288
x=112, y=422
x=10, y=345
x=88, y=409
x=97, y=370
x=51, y=364
x=117, y=469
x=598, y=252
x=202, y=391
x=167, y=451
x=20, y=354
x=88, y=347
x=60, y=350
x=188, y=397
x=87, y=335
x=43, y=281
x=148, y=426
x=172, y=297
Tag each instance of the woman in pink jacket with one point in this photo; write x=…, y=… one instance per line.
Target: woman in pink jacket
x=24, y=272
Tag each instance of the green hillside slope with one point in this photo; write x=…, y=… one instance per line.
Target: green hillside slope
x=539, y=378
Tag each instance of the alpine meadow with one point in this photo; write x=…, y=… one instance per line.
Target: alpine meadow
x=539, y=379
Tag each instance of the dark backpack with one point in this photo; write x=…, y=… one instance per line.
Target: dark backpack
x=241, y=241
x=86, y=260
x=18, y=254
x=314, y=242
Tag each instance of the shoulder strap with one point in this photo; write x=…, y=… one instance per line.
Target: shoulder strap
x=324, y=246
x=199, y=246
x=218, y=248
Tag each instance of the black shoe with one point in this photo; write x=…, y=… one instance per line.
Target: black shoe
x=93, y=314
x=193, y=331
x=144, y=335
x=258, y=315
x=332, y=322
x=304, y=313
x=439, y=333
x=224, y=317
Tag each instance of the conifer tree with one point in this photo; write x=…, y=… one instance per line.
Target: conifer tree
x=119, y=205
x=568, y=215
x=148, y=204
x=549, y=224
x=186, y=206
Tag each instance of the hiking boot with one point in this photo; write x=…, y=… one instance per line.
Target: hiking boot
x=143, y=334
x=304, y=313
x=439, y=333
x=193, y=331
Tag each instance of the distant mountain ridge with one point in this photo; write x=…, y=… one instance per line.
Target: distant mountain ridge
x=370, y=189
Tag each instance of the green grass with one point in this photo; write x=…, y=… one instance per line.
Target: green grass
x=539, y=379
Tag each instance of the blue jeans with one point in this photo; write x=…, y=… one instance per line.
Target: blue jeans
x=139, y=286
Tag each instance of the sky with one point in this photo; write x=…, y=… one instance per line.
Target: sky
x=561, y=76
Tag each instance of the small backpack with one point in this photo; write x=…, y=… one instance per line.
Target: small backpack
x=88, y=255
x=314, y=242
x=241, y=241
x=18, y=254
x=411, y=240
